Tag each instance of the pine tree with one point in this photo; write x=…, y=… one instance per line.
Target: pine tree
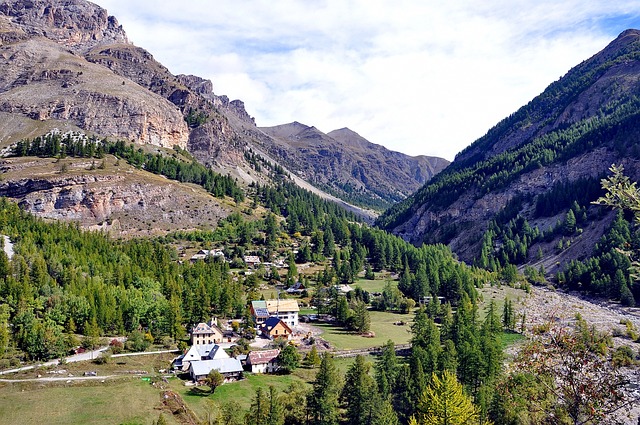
x=259, y=411
x=570, y=223
x=626, y=297
x=402, y=400
x=386, y=369
x=448, y=360
x=342, y=310
x=358, y=393
x=362, y=319
x=275, y=412
x=322, y=401
x=312, y=359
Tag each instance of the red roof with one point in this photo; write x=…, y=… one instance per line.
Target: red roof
x=262, y=357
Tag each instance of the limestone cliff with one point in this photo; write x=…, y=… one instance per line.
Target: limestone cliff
x=118, y=198
x=46, y=77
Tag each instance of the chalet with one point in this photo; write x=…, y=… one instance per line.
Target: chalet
x=206, y=333
x=297, y=288
x=197, y=353
x=263, y=361
x=274, y=328
x=287, y=310
x=251, y=260
x=229, y=367
x=203, y=254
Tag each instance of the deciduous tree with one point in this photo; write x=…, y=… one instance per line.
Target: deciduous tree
x=445, y=403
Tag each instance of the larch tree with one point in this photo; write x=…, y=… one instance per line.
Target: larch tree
x=322, y=401
x=445, y=403
x=358, y=393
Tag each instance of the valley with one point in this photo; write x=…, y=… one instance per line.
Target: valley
x=231, y=273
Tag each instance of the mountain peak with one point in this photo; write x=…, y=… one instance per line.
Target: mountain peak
x=77, y=24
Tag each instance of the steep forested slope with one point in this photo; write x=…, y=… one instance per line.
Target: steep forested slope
x=535, y=163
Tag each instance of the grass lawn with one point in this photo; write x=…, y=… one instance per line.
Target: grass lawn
x=382, y=323
x=376, y=285
x=112, y=402
x=243, y=392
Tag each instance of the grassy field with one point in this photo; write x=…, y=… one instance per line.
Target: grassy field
x=376, y=285
x=199, y=400
x=113, y=402
x=382, y=323
x=243, y=392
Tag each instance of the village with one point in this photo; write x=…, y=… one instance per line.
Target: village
x=275, y=321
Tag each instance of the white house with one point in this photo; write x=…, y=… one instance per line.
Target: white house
x=286, y=310
x=263, y=361
x=230, y=368
x=197, y=353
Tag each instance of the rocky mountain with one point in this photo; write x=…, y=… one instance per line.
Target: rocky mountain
x=344, y=163
x=47, y=79
x=114, y=197
x=535, y=164
x=68, y=66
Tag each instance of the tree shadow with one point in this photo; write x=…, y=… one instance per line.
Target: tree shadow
x=199, y=392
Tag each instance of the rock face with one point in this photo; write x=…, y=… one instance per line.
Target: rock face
x=75, y=24
x=46, y=76
x=345, y=163
x=575, y=129
x=118, y=198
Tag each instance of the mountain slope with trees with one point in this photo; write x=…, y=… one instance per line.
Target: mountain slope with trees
x=347, y=165
x=541, y=166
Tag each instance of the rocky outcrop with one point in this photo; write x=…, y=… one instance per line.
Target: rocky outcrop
x=43, y=80
x=74, y=24
x=121, y=199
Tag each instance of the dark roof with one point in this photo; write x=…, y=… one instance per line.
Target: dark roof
x=272, y=322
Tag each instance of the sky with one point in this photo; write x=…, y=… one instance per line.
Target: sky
x=422, y=77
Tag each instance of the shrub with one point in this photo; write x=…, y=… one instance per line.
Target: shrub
x=116, y=346
x=623, y=356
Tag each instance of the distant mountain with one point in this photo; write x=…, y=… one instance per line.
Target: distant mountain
x=533, y=166
x=68, y=65
x=347, y=165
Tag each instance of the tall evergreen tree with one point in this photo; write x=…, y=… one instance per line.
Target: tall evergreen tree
x=386, y=369
x=323, y=398
x=358, y=393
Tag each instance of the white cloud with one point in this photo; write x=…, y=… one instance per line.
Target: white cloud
x=418, y=77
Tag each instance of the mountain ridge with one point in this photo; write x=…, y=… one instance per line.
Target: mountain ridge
x=575, y=129
x=344, y=161
x=69, y=66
